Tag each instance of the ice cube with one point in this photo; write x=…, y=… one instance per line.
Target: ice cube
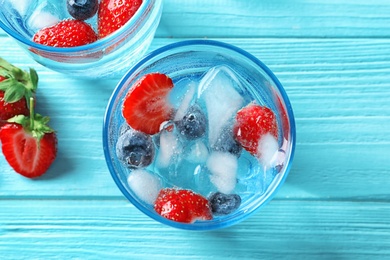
x=21, y=6
x=191, y=176
x=202, y=182
x=197, y=153
x=145, y=185
x=186, y=102
x=46, y=14
x=170, y=146
x=267, y=150
x=281, y=156
x=223, y=168
x=219, y=89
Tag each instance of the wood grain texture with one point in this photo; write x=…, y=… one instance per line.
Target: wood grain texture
x=332, y=57
x=280, y=18
x=339, y=89
x=114, y=229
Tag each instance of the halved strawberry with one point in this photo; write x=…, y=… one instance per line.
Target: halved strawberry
x=183, y=206
x=28, y=144
x=146, y=105
x=113, y=14
x=66, y=33
x=16, y=88
x=252, y=123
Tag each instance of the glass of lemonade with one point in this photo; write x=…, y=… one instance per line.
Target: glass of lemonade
x=220, y=80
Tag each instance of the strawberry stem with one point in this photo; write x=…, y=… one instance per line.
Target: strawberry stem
x=31, y=113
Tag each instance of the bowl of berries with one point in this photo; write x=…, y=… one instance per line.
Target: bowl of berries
x=82, y=38
x=199, y=135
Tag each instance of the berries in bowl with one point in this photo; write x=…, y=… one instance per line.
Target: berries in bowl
x=87, y=38
x=199, y=134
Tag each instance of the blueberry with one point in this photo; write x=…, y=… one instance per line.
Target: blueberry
x=224, y=204
x=193, y=124
x=82, y=9
x=227, y=143
x=135, y=149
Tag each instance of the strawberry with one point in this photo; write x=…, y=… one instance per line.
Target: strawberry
x=66, y=33
x=146, y=105
x=16, y=87
x=182, y=206
x=113, y=14
x=28, y=144
x=252, y=123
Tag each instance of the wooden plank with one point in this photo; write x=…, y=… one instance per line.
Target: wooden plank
x=340, y=99
x=282, y=18
x=113, y=229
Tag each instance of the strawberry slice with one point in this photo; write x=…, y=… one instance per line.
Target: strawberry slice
x=252, y=123
x=146, y=105
x=28, y=144
x=183, y=206
x=16, y=88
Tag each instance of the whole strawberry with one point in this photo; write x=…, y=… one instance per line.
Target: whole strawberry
x=66, y=33
x=113, y=14
x=183, y=206
x=28, y=144
x=16, y=88
x=252, y=123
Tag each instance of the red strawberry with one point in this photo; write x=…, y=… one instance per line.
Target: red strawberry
x=16, y=87
x=113, y=14
x=182, y=206
x=66, y=33
x=146, y=106
x=28, y=144
x=252, y=123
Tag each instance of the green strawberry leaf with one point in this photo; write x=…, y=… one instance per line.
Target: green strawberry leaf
x=26, y=82
x=5, y=84
x=37, y=127
x=4, y=73
x=20, y=119
x=33, y=79
x=14, y=92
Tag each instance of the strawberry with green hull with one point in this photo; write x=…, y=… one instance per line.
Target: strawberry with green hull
x=16, y=88
x=28, y=144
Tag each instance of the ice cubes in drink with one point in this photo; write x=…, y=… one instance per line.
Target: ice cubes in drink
x=219, y=89
x=145, y=185
x=214, y=161
x=20, y=6
x=45, y=14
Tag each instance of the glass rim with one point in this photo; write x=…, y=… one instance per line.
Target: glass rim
x=206, y=225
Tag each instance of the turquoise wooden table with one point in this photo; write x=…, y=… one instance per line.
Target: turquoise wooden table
x=333, y=58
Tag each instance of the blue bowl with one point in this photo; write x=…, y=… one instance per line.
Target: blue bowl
x=192, y=59
x=108, y=57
